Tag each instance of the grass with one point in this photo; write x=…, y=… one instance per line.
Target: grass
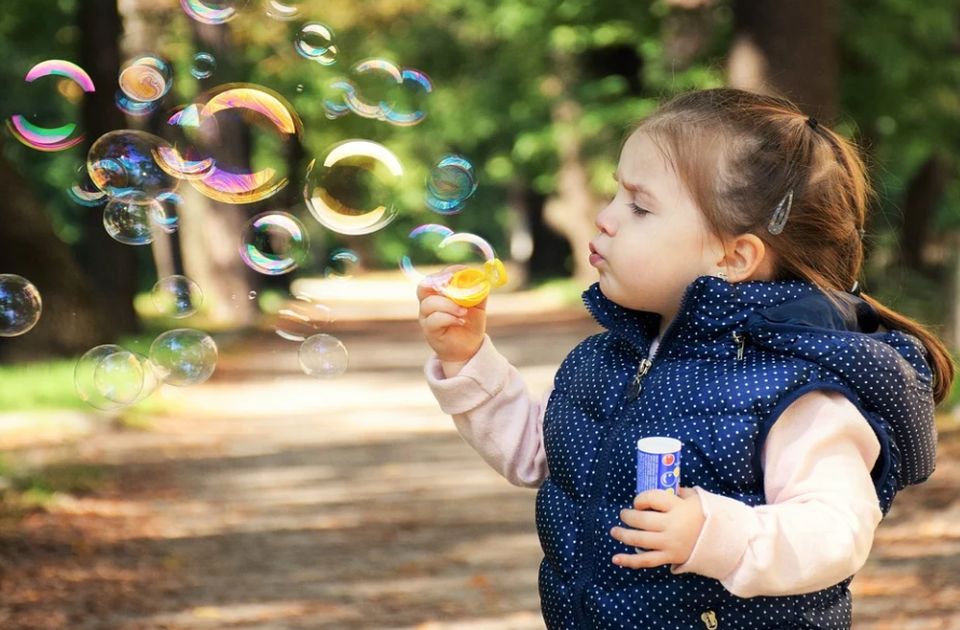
x=40, y=385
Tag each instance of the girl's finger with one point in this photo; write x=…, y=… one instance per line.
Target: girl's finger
x=638, y=538
x=659, y=500
x=643, y=519
x=642, y=560
x=437, y=321
x=440, y=304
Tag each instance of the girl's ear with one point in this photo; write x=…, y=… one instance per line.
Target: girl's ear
x=747, y=258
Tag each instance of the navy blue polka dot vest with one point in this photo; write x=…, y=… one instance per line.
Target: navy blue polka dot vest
x=734, y=358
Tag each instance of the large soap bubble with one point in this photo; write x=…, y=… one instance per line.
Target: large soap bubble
x=323, y=356
x=109, y=377
x=184, y=356
x=315, y=42
x=451, y=182
x=274, y=243
x=176, y=296
x=130, y=218
x=45, y=138
x=123, y=161
x=20, y=305
x=353, y=190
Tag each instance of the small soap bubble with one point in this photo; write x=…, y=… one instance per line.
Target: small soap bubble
x=302, y=317
x=84, y=192
x=300, y=87
x=274, y=243
x=426, y=241
x=145, y=78
x=129, y=218
x=109, y=377
x=315, y=42
x=353, y=190
x=252, y=295
x=20, y=305
x=285, y=10
x=342, y=264
x=176, y=296
x=323, y=356
x=184, y=356
x=123, y=160
x=451, y=182
x=203, y=65
x=212, y=11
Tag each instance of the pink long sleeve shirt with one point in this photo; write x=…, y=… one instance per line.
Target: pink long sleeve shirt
x=815, y=530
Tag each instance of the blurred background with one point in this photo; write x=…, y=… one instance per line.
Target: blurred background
x=269, y=498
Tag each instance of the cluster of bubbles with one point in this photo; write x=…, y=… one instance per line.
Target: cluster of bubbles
x=20, y=305
x=110, y=377
x=353, y=189
x=380, y=90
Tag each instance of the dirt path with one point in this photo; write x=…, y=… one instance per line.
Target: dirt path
x=276, y=502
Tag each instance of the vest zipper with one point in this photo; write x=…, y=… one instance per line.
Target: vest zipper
x=741, y=341
x=636, y=384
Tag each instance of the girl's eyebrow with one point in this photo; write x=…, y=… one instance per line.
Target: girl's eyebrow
x=636, y=187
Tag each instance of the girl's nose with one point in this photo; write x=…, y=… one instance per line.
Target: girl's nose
x=604, y=221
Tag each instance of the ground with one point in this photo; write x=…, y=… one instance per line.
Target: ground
x=273, y=501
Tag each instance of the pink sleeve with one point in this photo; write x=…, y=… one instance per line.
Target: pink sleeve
x=494, y=413
x=822, y=509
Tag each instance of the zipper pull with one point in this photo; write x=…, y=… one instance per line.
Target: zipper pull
x=741, y=341
x=633, y=390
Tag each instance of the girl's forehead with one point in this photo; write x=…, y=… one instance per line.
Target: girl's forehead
x=642, y=155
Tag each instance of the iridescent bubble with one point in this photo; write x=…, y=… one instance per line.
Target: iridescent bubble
x=134, y=108
x=381, y=90
x=170, y=160
x=184, y=356
x=108, y=377
x=286, y=10
x=176, y=296
x=302, y=317
x=20, y=305
x=451, y=182
x=323, y=356
x=234, y=184
x=470, y=284
x=122, y=161
x=212, y=11
x=353, y=190
x=252, y=295
x=145, y=78
x=315, y=42
x=203, y=65
x=342, y=264
x=50, y=138
x=335, y=106
x=407, y=108
x=84, y=192
x=274, y=243
x=129, y=218
x=168, y=219
x=426, y=239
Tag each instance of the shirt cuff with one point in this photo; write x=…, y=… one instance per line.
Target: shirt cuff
x=723, y=538
x=480, y=379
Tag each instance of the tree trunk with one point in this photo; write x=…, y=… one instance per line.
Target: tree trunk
x=924, y=191
x=111, y=266
x=73, y=319
x=790, y=48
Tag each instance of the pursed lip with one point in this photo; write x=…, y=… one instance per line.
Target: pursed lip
x=593, y=250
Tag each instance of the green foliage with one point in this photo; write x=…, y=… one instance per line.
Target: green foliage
x=42, y=385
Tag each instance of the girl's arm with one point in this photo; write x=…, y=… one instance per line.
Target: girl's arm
x=822, y=509
x=494, y=413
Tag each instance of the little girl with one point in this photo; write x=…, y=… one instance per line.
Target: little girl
x=728, y=265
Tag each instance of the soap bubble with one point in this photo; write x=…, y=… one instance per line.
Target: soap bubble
x=342, y=263
x=203, y=65
x=251, y=295
x=122, y=161
x=45, y=138
x=426, y=240
x=20, y=305
x=274, y=243
x=168, y=219
x=129, y=218
x=353, y=190
x=212, y=11
x=302, y=317
x=406, y=109
x=173, y=163
x=84, y=192
x=381, y=90
x=286, y=10
x=176, y=296
x=451, y=182
x=184, y=356
x=134, y=108
x=109, y=377
x=250, y=104
x=315, y=42
x=145, y=78
x=323, y=356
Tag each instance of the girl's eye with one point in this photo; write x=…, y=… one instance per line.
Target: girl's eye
x=637, y=209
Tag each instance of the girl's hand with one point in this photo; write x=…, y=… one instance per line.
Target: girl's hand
x=455, y=333
x=665, y=525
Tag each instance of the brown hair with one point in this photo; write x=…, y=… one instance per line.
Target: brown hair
x=739, y=153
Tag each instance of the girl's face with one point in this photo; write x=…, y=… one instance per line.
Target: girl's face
x=653, y=240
